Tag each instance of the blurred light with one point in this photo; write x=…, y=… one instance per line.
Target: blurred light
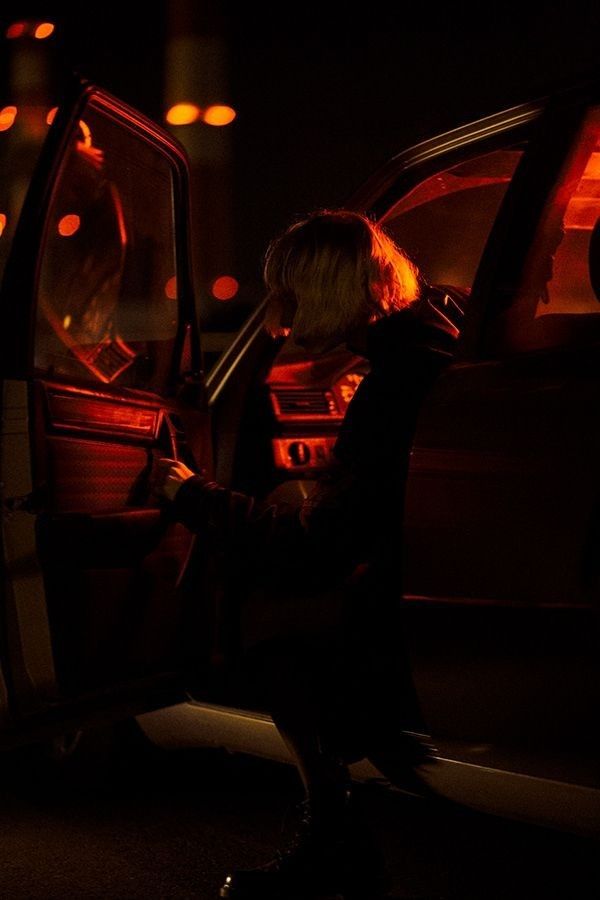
x=68, y=225
x=225, y=287
x=592, y=169
x=87, y=134
x=7, y=116
x=51, y=115
x=2, y=223
x=219, y=115
x=171, y=288
x=43, y=31
x=16, y=30
x=183, y=114
x=67, y=322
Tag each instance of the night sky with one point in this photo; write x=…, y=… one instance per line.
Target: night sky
x=323, y=98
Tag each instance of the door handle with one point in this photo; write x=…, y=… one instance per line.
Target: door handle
x=167, y=436
x=165, y=444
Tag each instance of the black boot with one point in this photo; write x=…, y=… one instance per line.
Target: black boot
x=333, y=855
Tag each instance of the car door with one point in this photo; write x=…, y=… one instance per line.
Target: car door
x=100, y=376
x=501, y=519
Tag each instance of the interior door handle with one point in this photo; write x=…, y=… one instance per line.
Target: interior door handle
x=167, y=437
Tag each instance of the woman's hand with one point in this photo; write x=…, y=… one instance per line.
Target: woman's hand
x=171, y=473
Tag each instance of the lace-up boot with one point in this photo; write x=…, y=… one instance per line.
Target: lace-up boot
x=333, y=856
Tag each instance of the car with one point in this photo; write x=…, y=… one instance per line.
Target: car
x=112, y=609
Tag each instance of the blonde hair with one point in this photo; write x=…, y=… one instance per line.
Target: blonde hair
x=334, y=271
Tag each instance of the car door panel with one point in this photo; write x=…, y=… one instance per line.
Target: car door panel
x=111, y=557
x=96, y=587
x=501, y=519
x=510, y=635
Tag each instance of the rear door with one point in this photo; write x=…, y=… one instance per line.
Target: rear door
x=501, y=524
x=100, y=377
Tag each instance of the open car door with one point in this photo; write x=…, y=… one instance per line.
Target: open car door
x=100, y=377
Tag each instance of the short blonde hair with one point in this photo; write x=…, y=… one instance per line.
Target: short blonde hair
x=333, y=271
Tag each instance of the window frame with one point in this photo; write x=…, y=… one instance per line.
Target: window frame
x=62, y=175
x=410, y=168
x=18, y=293
x=498, y=336
x=500, y=273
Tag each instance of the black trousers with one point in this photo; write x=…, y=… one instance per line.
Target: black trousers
x=332, y=663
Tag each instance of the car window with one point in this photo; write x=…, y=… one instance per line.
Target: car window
x=22, y=132
x=557, y=301
x=443, y=223
x=107, y=290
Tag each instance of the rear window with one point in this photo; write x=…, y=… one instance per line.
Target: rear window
x=107, y=307
x=444, y=222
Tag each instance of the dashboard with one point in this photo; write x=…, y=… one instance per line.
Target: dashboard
x=309, y=398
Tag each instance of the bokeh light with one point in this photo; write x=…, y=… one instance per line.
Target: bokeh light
x=225, y=287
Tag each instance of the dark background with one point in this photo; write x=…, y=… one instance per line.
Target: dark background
x=323, y=95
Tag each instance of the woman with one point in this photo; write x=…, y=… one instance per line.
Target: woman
x=334, y=278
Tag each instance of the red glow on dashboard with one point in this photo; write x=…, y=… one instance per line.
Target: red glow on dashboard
x=303, y=453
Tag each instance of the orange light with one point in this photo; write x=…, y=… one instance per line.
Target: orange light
x=16, y=30
x=51, y=115
x=7, y=116
x=219, y=115
x=2, y=223
x=68, y=225
x=183, y=114
x=43, y=31
x=171, y=288
x=87, y=133
x=592, y=169
x=67, y=322
x=225, y=287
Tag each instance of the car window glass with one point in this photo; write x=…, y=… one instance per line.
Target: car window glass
x=558, y=298
x=107, y=291
x=22, y=132
x=443, y=223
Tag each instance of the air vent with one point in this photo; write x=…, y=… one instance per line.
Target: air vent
x=294, y=403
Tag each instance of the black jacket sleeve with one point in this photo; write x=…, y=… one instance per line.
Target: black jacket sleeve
x=354, y=514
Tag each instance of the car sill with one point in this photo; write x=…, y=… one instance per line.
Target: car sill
x=542, y=801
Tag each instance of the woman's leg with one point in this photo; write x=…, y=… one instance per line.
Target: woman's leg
x=332, y=851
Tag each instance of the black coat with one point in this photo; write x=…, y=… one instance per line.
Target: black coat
x=321, y=612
